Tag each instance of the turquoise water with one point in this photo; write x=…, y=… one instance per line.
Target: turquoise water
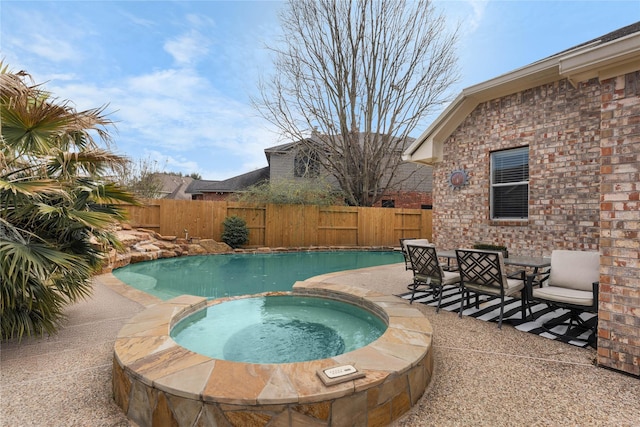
x=217, y=276
x=278, y=329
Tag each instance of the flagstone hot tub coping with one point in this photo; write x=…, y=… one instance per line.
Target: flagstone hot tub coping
x=154, y=376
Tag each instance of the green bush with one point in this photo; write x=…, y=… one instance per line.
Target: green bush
x=293, y=192
x=235, y=231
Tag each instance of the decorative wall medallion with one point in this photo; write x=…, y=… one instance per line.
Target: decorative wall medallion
x=458, y=178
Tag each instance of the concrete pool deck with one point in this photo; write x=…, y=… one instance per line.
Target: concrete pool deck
x=482, y=375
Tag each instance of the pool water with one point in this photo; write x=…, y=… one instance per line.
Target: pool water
x=278, y=329
x=217, y=276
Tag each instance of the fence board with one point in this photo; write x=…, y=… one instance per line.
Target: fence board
x=254, y=215
x=146, y=216
x=284, y=225
x=338, y=226
x=291, y=225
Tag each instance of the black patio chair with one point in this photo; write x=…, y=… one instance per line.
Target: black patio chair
x=483, y=273
x=428, y=274
x=403, y=248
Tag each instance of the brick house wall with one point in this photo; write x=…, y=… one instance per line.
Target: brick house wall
x=407, y=199
x=560, y=126
x=619, y=313
x=584, y=173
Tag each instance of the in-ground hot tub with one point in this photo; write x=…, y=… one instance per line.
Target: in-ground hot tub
x=158, y=382
x=277, y=329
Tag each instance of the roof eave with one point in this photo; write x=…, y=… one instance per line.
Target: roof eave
x=524, y=78
x=595, y=60
x=604, y=61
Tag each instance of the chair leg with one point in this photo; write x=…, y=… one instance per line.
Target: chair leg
x=501, y=311
x=573, y=321
x=414, y=288
x=440, y=291
x=462, y=301
x=525, y=304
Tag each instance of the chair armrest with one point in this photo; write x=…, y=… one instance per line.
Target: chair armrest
x=531, y=278
x=520, y=274
x=542, y=275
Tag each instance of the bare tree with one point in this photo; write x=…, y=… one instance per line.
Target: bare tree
x=362, y=74
x=140, y=177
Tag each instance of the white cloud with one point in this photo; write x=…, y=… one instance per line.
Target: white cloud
x=478, y=7
x=142, y=22
x=469, y=13
x=192, y=45
x=187, y=49
x=180, y=114
x=55, y=50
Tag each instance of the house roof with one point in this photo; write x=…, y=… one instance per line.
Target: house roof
x=610, y=55
x=283, y=148
x=231, y=185
x=173, y=186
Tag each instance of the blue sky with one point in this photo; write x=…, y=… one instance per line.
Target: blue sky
x=178, y=75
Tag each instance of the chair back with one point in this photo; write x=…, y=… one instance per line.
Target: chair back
x=425, y=261
x=574, y=269
x=479, y=267
x=414, y=242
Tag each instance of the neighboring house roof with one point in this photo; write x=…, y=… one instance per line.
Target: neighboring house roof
x=173, y=186
x=241, y=182
x=283, y=148
x=280, y=149
x=613, y=54
x=231, y=185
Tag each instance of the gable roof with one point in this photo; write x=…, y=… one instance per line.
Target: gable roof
x=315, y=139
x=173, y=186
x=231, y=185
x=610, y=55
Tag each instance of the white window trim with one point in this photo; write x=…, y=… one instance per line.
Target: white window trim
x=492, y=186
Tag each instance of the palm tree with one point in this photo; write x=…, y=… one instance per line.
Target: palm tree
x=57, y=205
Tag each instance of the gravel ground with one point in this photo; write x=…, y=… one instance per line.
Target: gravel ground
x=483, y=375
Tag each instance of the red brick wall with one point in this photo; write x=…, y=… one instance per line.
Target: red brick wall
x=584, y=187
x=407, y=199
x=619, y=314
x=560, y=124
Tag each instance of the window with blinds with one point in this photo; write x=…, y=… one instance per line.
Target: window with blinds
x=510, y=184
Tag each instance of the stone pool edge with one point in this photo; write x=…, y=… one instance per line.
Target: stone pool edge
x=156, y=381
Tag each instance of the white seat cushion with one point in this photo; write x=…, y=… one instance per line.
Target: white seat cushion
x=450, y=278
x=416, y=242
x=513, y=286
x=574, y=269
x=564, y=295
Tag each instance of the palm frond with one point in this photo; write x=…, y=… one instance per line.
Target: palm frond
x=57, y=205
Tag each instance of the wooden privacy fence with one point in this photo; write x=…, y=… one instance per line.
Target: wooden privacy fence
x=284, y=225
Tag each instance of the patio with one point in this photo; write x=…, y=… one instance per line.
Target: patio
x=482, y=375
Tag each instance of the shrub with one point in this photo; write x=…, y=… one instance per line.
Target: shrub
x=293, y=192
x=235, y=231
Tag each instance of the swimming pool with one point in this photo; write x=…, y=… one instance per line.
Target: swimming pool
x=217, y=276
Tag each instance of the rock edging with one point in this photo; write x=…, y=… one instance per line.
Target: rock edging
x=145, y=245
